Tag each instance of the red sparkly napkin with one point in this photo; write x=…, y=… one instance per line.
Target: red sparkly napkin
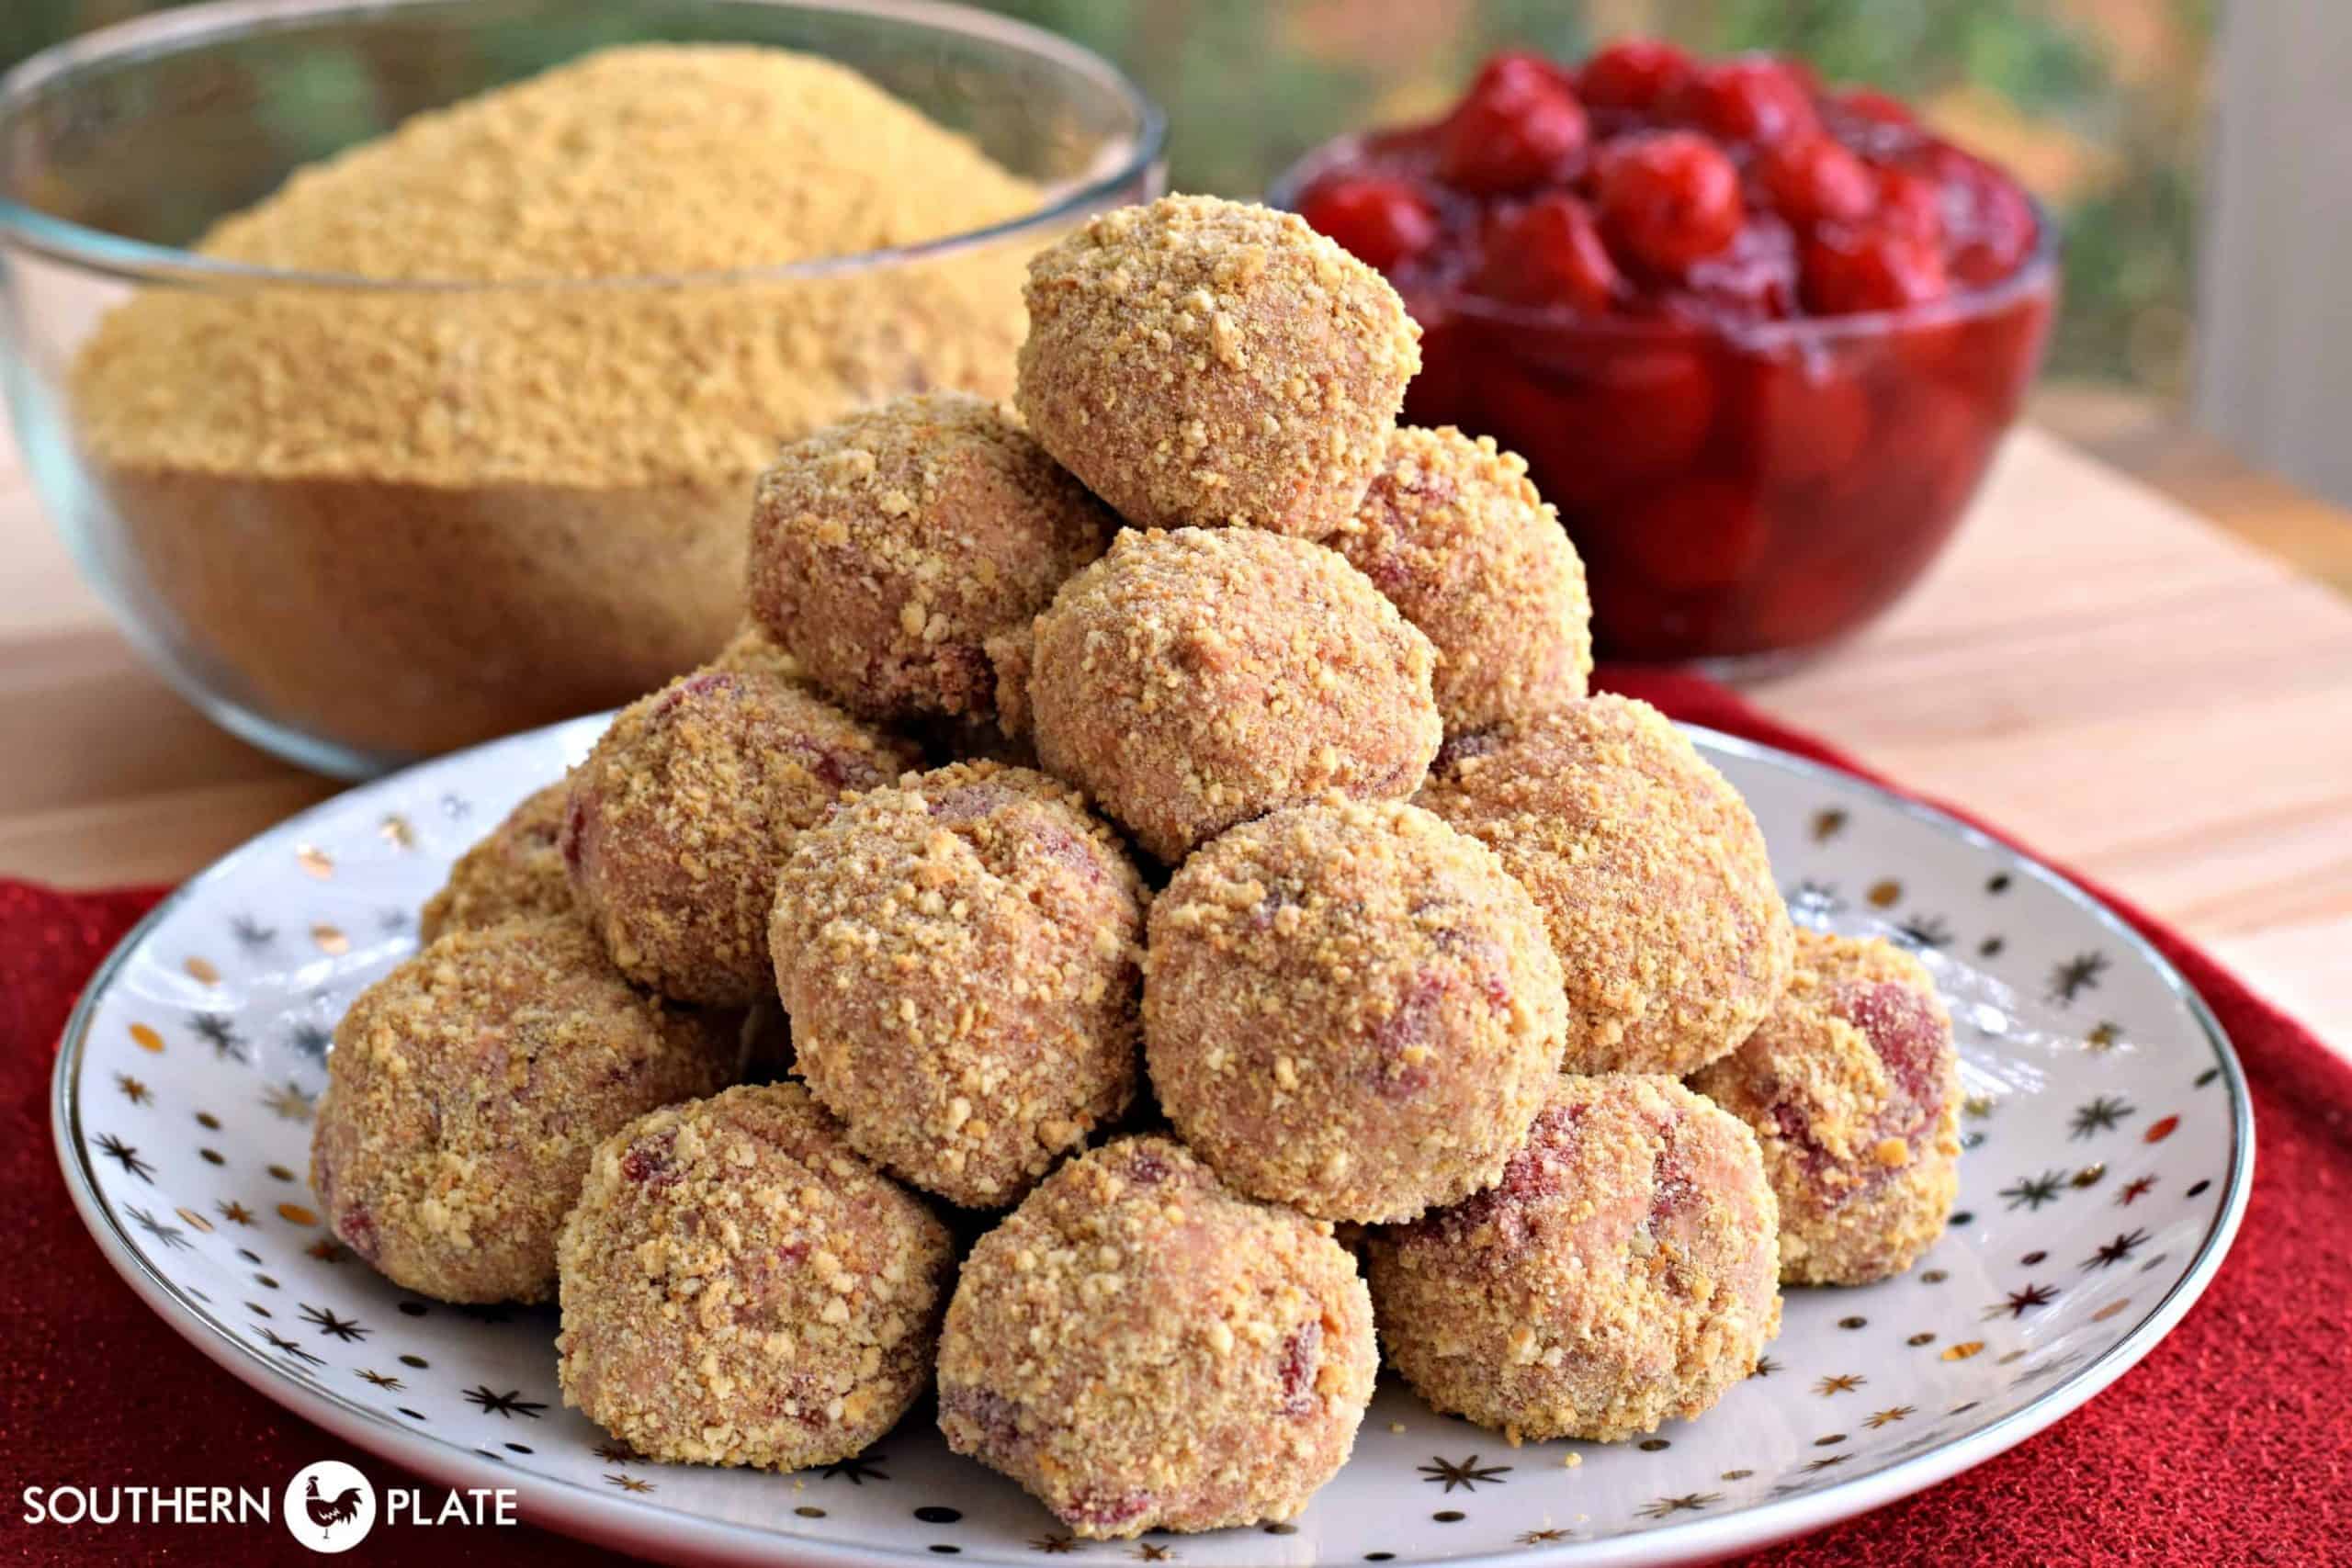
x=2231, y=1443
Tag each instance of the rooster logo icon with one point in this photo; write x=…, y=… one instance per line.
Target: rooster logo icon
x=330, y=1506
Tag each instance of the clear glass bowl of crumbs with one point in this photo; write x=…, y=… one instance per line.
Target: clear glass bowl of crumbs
x=399, y=372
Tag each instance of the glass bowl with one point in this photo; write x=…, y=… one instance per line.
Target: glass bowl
x=355, y=605
x=1742, y=495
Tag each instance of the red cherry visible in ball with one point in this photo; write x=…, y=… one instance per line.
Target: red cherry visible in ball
x=1548, y=253
x=1849, y=270
x=1384, y=221
x=1669, y=199
x=1813, y=179
x=1750, y=98
x=1518, y=126
x=1632, y=73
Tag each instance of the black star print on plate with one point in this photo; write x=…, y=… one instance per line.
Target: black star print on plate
x=629, y=1483
x=387, y=1383
x=218, y=1030
x=288, y=1102
x=1152, y=1551
x=310, y=1040
x=2031, y=1192
x=132, y=1089
x=1468, y=1473
x=2077, y=975
x=857, y=1470
x=123, y=1154
x=1878, y=1418
x=2134, y=1189
x=343, y=1328
x=235, y=1214
x=510, y=1405
x=1689, y=1502
x=2023, y=1302
x=1843, y=1383
x=1827, y=825
x=280, y=1343
x=1931, y=932
x=2116, y=1251
x=1053, y=1545
x=1765, y=1367
x=2100, y=1114
x=251, y=934
x=1541, y=1537
x=171, y=1236
x=617, y=1453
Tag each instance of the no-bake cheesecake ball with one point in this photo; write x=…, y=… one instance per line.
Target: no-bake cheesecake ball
x=515, y=869
x=1453, y=533
x=684, y=813
x=467, y=1089
x=1142, y=1348
x=1625, y=1270
x=1192, y=680
x=960, y=956
x=888, y=549
x=1352, y=1009
x=740, y=1289
x=1852, y=1087
x=1198, y=361
x=1650, y=871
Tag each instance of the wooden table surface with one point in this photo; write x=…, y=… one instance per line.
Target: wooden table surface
x=2093, y=666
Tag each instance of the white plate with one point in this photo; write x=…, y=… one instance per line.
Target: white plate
x=2109, y=1152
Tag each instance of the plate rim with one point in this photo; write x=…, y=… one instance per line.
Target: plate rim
x=573, y=1508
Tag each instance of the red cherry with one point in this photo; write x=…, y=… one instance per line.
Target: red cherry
x=1632, y=73
x=1802, y=422
x=1384, y=221
x=1813, y=179
x=1699, y=534
x=1847, y=270
x=1518, y=126
x=1750, y=98
x=1877, y=107
x=1910, y=203
x=1548, y=253
x=1669, y=199
x=1605, y=424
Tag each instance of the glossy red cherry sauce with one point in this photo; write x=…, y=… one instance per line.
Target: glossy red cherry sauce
x=1755, y=338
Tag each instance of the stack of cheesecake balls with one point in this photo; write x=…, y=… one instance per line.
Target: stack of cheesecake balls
x=1162, y=830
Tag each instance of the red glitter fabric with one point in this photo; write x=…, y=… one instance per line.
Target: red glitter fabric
x=2230, y=1444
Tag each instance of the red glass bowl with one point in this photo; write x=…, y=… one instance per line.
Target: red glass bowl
x=1741, y=494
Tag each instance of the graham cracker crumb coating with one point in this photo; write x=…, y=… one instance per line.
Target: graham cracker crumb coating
x=1202, y=361
x=1142, y=1348
x=960, y=956
x=688, y=807
x=889, y=548
x=1453, y=533
x=467, y=1089
x=1623, y=1272
x=515, y=869
x=1852, y=1087
x=1651, y=873
x=739, y=1288
x=1192, y=680
x=1352, y=1008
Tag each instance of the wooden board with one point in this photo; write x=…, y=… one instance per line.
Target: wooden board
x=2091, y=665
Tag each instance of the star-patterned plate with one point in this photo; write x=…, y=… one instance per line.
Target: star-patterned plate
x=2108, y=1152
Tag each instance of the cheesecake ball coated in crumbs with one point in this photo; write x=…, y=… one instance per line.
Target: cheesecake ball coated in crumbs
x=738, y=1288
x=686, y=809
x=1852, y=1088
x=960, y=956
x=515, y=869
x=888, y=549
x=1352, y=1008
x=1192, y=680
x=1649, y=869
x=1454, y=533
x=1142, y=1348
x=467, y=1088
x=1203, y=361
x=1623, y=1271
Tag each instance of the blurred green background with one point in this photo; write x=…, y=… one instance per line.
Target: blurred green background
x=2100, y=106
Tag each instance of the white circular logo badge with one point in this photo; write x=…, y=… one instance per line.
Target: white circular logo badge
x=330, y=1506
